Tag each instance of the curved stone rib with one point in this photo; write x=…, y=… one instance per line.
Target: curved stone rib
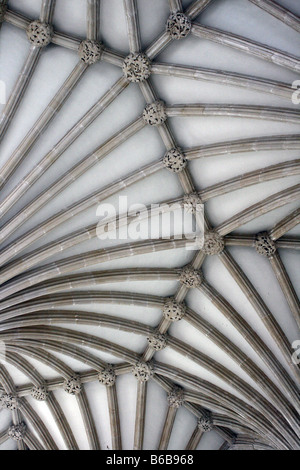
x=167, y=428
x=178, y=25
x=247, y=46
x=88, y=420
x=253, y=340
x=163, y=129
x=131, y=13
x=271, y=113
x=186, y=183
x=17, y=19
x=286, y=285
x=280, y=170
x=32, y=442
x=114, y=418
x=93, y=279
x=91, y=258
x=43, y=356
x=19, y=89
x=224, y=421
x=78, y=318
x=284, y=90
x=256, y=144
x=65, y=40
x=33, y=417
x=195, y=8
x=47, y=11
x=83, y=297
x=73, y=337
x=262, y=310
x=175, y=5
x=56, y=103
x=247, y=443
x=140, y=415
x=92, y=19
x=112, y=57
x=6, y=381
x=195, y=439
x=279, y=12
x=3, y=436
x=256, y=210
x=285, y=225
x=64, y=371
x=158, y=45
x=25, y=367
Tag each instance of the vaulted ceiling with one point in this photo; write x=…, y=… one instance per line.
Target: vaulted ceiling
x=157, y=343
